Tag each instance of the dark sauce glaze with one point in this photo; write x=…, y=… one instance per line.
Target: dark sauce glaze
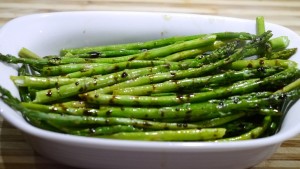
x=94, y=54
x=124, y=74
x=49, y=93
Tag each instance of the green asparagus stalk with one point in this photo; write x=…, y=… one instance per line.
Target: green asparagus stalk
x=161, y=51
x=98, y=131
x=191, y=83
x=104, y=54
x=156, y=43
x=68, y=68
x=42, y=125
x=218, y=121
x=282, y=54
x=23, y=91
x=166, y=135
x=45, y=61
x=254, y=133
x=63, y=109
x=234, y=35
x=26, y=53
x=43, y=82
x=260, y=63
x=252, y=95
x=260, y=25
x=90, y=69
x=134, y=64
x=129, y=46
x=290, y=87
x=270, y=112
x=189, y=54
x=279, y=43
x=12, y=59
x=167, y=50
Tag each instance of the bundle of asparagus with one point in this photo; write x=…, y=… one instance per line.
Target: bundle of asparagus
x=209, y=87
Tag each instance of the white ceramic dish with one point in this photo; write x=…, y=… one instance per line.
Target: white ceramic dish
x=47, y=33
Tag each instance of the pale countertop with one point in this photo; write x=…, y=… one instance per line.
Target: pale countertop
x=15, y=153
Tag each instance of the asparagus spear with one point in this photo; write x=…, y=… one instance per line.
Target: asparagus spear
x=26, y=53
x=189, y=54
x=157, y=43
x=104, y=54
x=282, y=54
x=89, y=69
x=177, y=135
x=167, y=50
x=260, y=25
x=128, y=46
x=191, y=83
x=279, y=43
x=134, y=64
x=254, y=133
x=23, y=91
x=162, y=51
x=74, y=104
x=44, y=82
x=97, y=131
x=260, y=63
x=68, y=68
x=218, y=121
x=63, y=109
x=12, y=59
